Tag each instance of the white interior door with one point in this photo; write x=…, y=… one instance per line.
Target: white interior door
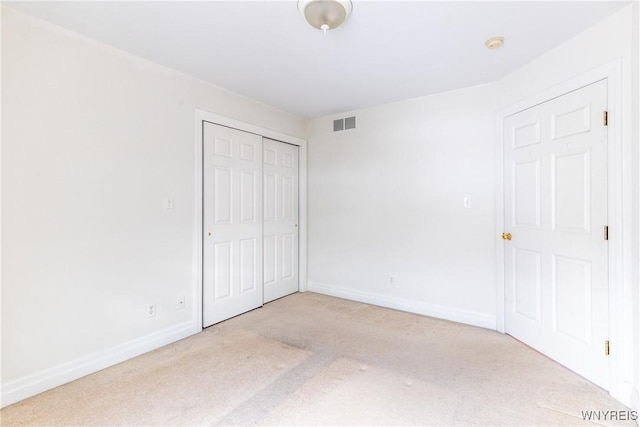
x=555, y=198
x=232, y=224
x=280, y=219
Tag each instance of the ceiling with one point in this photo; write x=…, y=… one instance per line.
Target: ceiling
x=386, y=51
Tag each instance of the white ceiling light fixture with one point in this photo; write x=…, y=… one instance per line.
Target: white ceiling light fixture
x=325, y=14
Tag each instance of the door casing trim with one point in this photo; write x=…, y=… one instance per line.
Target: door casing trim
x=205, y=116
x=618, y=212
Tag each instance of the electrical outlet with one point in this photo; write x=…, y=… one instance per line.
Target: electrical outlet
x=180, y=302
x=391, y=280
x=151, y=309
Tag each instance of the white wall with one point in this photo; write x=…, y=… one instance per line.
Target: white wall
x=93, y=139
x=387, y=199
x=613, y=39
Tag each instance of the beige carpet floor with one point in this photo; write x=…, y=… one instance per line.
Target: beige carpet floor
x=310, y=359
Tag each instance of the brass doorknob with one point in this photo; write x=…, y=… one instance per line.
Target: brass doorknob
x=506, y=236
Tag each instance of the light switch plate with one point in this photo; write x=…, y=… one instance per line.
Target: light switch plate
x=168, y=202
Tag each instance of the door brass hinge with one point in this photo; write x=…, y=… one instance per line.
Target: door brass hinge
x=605, y=118
x=606, y=232
x=606, y=348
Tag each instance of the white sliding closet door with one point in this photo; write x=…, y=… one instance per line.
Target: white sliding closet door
x=280, y=219
x=232, y=225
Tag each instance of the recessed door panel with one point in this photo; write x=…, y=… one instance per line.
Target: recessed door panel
x=526, y=134
x=222, y=269
x=287, y=159
x=248, y=279
x=571, y=122
x=526, y=283
x=288, y=255
x=222, y=191
x=270, y=196
x=571, y=288
x=248, y=152
x=248, y=183
x=289, y=190
x=571, y=191
x=270, y=156
x=270, y=257
x=527, y=193
x=222, y=147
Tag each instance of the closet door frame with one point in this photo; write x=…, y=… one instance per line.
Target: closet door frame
x=202, y=116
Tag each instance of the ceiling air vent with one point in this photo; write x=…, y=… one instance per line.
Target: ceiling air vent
x=344, y=124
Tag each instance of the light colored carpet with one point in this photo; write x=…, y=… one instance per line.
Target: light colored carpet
x=310, y=359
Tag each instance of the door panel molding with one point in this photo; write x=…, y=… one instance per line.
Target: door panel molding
x=619, y=218
x=197, y=265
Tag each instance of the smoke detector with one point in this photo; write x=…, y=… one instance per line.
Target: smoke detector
x=494, y=42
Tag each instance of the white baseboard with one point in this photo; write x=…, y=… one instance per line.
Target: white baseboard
x=482, y=320
x=635, y=401
x=626, y=393
x=47, y=379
